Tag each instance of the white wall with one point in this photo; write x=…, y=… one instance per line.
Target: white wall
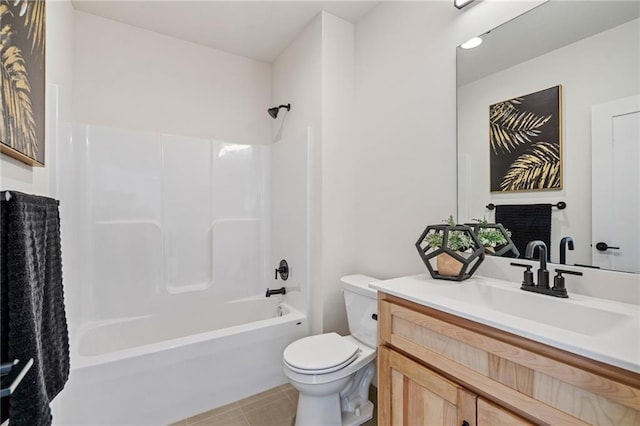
x=15, y=175
x=126, y=77
x=316, y=74
x=338, y=166
x=297, y=79
x=405, y=94
x=406, y=117
x=584, y=69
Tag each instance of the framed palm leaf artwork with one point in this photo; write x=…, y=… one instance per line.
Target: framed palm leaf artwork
x=525, y=135
x=22, y=82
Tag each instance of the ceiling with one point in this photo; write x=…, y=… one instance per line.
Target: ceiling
x=259, y=30
x=549, y=26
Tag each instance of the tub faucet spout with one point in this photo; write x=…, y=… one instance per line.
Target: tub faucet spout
x=270, y=292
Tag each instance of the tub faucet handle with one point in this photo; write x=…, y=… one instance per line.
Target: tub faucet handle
x=282, y=270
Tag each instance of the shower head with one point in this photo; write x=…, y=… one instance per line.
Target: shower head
x=273, y=112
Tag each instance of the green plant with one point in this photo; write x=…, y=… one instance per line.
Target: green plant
x=490, y=237
x=458, y=240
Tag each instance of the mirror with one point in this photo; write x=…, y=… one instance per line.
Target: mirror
x=589, y=48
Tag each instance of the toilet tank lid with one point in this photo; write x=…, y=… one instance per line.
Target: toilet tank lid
x=359, y=283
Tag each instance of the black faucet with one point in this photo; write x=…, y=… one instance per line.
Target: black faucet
x=564, y=243
x=542, y=286
x=543, y=274
x=281, y=290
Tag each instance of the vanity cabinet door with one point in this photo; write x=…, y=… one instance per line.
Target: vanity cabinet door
x=411, y=394
x=490, y=414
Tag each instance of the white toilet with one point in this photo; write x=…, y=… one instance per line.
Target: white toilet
x=332, y=373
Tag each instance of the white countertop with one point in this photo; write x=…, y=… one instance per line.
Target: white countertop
x=600, y=329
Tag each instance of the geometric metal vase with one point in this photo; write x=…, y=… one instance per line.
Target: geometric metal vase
x=466, y=258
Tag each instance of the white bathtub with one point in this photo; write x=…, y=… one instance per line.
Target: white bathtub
x=155, y=370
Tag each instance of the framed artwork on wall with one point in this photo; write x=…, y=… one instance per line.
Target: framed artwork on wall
x=22, y=86
x=525, y=135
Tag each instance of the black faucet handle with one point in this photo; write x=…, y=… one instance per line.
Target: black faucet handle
x=566, y=271
x=527, y=277
x=558, y=282
x=522, y=265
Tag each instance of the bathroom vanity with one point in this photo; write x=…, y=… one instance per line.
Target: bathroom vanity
x=482, y=352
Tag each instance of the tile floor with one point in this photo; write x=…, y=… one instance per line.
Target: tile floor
x=275, y=407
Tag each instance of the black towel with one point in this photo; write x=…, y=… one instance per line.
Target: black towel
x=527, y=222
x=33, y=303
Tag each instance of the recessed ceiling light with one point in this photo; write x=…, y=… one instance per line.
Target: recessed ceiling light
x=470, y=44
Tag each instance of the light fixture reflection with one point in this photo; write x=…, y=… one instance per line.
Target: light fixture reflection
x=233, y=148
x=470, y=44
x=461, y=3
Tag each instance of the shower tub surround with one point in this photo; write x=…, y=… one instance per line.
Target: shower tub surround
x=167, y=252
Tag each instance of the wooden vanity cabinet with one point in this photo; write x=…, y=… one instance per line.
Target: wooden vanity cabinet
x=419, y=396
x=491, y=414
x=439, y=369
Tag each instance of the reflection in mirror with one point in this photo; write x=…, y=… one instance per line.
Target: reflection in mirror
x=591, y=49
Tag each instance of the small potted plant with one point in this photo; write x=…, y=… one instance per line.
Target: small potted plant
x=456, y=250
x=495, y=238
x=458, y=241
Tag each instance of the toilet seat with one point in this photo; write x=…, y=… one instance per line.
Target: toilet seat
x=320, y=354
x=323, y=370
x=365, y=355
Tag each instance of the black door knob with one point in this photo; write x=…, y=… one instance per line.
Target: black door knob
x=604, y=247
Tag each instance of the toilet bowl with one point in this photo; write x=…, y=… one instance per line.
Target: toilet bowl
x=332, y=373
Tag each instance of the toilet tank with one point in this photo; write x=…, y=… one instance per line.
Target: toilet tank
x=361, y=303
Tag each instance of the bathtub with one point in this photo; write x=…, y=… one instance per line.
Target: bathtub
x=160, y=369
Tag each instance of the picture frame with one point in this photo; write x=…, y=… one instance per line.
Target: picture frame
x=22, y=92
x=525, y=138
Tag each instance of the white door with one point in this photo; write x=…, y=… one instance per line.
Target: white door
x=615, y=144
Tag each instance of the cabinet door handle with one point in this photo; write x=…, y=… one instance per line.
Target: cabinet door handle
x=465, y=423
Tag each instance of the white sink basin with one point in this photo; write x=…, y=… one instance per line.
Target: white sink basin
x=568, y=314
